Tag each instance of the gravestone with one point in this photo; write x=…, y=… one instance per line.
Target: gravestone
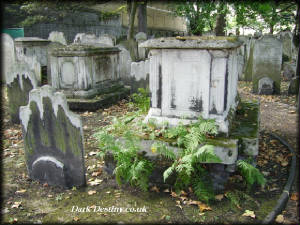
x=140, y=75
x=287, y=44
x=192, y=77
x=53, y=139
x=267, y=60
x=56, y=36
x=289, y=70
x=248, y=68
x=20, y=80
x=265, y=86
x=125, y=62
x=140, y=37
x=294, y=86
x=8, y=54
x=92, y=39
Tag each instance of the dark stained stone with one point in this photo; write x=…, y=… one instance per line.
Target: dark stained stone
x=53, y=139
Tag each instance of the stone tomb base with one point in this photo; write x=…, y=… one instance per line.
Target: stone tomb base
x=242, y=143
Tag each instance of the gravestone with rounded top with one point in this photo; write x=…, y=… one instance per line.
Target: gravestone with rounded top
x=20, y=80
x=192, y=77
x=53, y=139
x=56, y=36
x=267, y=60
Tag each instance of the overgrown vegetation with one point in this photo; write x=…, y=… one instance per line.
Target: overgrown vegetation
x=187, y=165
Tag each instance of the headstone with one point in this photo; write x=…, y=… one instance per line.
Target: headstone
x=192, y=77
x=56, y=36
x=140, y=37
x=267, y=59
x=125, y=62
x=287, y=44
x=53, y=139
x=265, y=86
x=92, y=39
x=51, y=47
x=289, y=70
x=20, y=80
x=140, y=70
x=248, y=68
x=294, y=86
x=8, y=54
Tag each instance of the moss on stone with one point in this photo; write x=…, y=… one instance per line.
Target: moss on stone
x=221, y=142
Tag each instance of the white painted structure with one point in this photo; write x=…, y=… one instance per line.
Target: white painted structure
x=8, y=54
x=56, y=36
x=82, y=71
x=140, y=70
x=191, y=78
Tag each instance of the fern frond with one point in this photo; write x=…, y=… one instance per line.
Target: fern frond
x=163, y=150
x=168, y=172
x=251, y=174
x=203, y=189
x=206, y=154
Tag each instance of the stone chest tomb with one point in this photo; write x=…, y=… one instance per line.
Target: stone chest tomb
x=84, y=71
x=33, y=51
x=192, y=77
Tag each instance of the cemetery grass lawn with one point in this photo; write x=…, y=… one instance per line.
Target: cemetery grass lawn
x=27, y=201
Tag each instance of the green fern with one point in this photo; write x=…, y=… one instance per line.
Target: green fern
x=141, y=99
x=130, y=166
x=162, y=149
x=251, y=174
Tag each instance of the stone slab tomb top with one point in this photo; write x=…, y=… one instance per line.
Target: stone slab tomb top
x=195, y=42
x=84, y=50
x=32, y=40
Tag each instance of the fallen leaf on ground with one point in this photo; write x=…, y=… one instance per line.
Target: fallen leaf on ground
x=167, y=190
x=16, y=205
x=249, y=213
x=279, y=218
x=95, y=182
x=96, y=173
x=295, y=196
x=191, y=202
x=92, y=153
x=173, y=194
x=154, y=188
x=92, y=192
x=183, y=193
x=203, y=207
x=21, y=191
x=75, y=218
x=219, y=197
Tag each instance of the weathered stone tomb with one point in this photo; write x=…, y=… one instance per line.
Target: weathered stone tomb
x=53, y=139
x=20, y=80
x=33, y=50
x=84, y=72
x=192, y=77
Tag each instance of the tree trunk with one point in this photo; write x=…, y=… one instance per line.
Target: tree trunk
x=131, y=20
x=130, y=35
x=271, y=29
x=142, y=17
x=220, y=25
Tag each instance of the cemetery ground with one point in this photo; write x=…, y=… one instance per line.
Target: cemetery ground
x=27, y=201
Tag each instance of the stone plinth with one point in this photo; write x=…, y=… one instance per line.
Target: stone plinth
x=192, y=77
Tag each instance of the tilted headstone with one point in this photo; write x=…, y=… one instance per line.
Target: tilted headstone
x=265, y=86
x=20, y=80
x=56, y=36
x=267, y=59
x=140, y=37
x=8, y=54
x=53, y=139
